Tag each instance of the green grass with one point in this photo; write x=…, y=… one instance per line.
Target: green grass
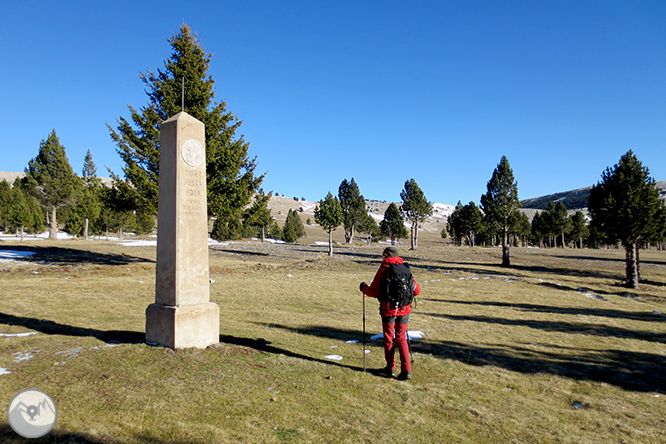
x=507, y=354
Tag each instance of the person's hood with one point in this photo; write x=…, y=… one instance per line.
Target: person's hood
x=393, y=260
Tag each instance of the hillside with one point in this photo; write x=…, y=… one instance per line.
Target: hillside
x=574, y=199
x=280, y=206
x=11, y=177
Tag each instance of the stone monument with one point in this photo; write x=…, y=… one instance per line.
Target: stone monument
x=182, y=315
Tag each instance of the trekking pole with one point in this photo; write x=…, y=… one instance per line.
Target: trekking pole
x=363, y=332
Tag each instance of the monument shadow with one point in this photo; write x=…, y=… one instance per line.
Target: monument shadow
x=56, y=328
x=68, y=256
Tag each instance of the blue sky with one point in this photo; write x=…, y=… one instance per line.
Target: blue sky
x=381, y=91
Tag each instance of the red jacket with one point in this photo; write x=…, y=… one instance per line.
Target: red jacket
x=372, y=290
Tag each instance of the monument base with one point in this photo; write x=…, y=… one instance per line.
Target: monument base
x=185, y=326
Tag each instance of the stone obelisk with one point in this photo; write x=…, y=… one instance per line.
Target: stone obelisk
x=182, y=315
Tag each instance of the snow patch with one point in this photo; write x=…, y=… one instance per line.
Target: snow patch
x=139, y=243
x=39, y=236
x=411, y=334
x=25, y=356
x=13, y=254
x=17, y=335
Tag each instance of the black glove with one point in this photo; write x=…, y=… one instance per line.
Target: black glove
x=362, y=286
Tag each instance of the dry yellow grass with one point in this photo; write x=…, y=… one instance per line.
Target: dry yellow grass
x=551, y=350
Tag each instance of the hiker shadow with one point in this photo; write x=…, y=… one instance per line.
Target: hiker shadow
x=55, y=328
x=262, y=345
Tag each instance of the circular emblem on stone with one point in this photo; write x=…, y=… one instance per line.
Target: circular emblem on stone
x=193, y=153
x=32, y=413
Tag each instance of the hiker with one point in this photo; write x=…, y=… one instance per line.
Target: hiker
x=394, y=318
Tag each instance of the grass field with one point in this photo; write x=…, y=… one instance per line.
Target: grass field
x=552, y=350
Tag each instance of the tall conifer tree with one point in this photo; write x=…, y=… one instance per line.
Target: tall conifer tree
x=393, y=225
x=230, y=171
x=89, y=206
x=353, y=208
x=579, y=229
x=415, y=207
x=293, y=227
x=328, y=214
x=5, y=197
x=51, y=178
x=500, y=203
x=259, y=215
x=625, y=207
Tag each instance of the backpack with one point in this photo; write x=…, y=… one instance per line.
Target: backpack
x=398, y=285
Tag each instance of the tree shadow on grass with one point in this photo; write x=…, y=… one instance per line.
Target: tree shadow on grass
x=68, y=256
x=610, y=259
x=55, y=328
x=561, y=327
x=575, y=311
x=240, y=252
x=9, y=436
x=514, y=271
x=628, y=370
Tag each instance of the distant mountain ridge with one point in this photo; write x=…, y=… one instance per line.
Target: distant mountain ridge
x=574, y=199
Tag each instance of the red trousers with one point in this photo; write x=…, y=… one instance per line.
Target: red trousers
x=400, y=331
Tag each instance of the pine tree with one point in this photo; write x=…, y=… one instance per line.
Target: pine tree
x=369, y=227
x=293, y=227
x=500, y=203
x=37, y=221
x=229, y=171
x=274, y=230
x=258, y=215
x=579, y=229
x=625, y=207
x=520, y=227
x=353, y=208
x=52, y=180
x=559, y=220
x=89, y=205
x=393, y=225
x=454, y=224
x=415, y=207
x=5, y=197
x=328, y=214
x=19, y=215
x=471, y=219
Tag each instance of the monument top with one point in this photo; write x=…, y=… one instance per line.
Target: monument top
x=178, y=116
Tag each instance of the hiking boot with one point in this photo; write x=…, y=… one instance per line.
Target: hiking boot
x=387, y=372
x=405, y=376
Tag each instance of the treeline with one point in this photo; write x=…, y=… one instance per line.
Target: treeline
x=553, y=227
x=52, y=196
